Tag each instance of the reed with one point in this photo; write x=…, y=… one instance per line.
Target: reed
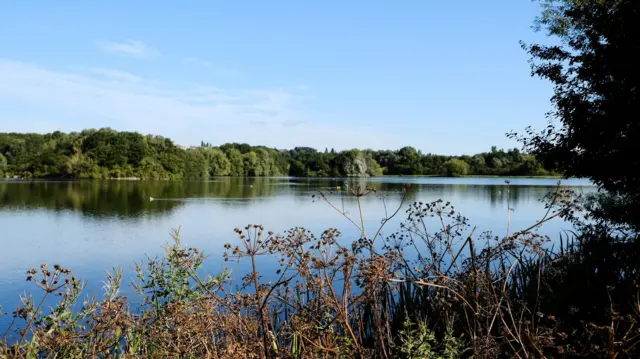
x=433, y=289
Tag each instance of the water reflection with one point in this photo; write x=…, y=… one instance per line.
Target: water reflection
x=127, y=199
x=91, y=226
x=131, y=199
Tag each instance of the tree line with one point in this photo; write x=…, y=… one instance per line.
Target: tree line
x=106, y=153
x=513, y=297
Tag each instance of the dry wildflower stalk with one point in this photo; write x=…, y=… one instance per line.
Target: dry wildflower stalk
x=329, y=299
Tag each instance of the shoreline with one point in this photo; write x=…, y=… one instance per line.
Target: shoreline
x=15, y=178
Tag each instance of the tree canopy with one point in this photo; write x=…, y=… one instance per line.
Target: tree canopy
x=455, y=168
x=594, y=129
x=106, y=153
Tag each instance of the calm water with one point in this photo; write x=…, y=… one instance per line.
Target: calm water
x=90, y=226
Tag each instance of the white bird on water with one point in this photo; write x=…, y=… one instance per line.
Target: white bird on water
x=150, y=199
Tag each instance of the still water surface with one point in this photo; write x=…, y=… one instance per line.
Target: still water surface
x=91, y=226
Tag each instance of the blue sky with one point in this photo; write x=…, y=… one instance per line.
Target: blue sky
x=445, y=77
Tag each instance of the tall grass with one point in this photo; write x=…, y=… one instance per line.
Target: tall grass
x=433, y=289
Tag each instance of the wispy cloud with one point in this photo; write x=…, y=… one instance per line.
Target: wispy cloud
x=115, y=74
x=188, y=114
x=197, y=61
x=292, y=123
x=130, y=48
x=210, y=68
x=257, y=122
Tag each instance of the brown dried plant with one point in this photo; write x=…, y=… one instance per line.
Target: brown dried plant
x=431, y=289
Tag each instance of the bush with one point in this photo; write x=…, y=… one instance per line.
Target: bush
x=455, y=168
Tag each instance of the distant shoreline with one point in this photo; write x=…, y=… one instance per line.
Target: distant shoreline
x=477, y=176
x=15, y=178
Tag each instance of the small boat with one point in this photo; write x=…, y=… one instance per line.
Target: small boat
x=150, y=199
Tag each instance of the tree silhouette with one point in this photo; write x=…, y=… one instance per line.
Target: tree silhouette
x=594, y=125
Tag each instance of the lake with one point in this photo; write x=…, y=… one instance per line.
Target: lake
x=92, y=226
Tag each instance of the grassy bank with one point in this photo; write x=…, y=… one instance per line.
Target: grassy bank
x=434, y=289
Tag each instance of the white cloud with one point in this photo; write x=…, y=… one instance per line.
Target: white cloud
x=292, y=123
x=131, y=48
x=114, y=74
x=197, y=61
x=210, y=68
x=257, y=122
x=188, y=114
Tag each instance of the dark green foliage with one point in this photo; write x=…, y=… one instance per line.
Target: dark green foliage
x=250, y=164
x=219, y=164
x=408, y=161
x=455, y=168
x=236, y=163
x=310, y=162
x=106, y=153
x=297, y=169
x=594, y=129
x=100, y=153
x=3, y=164
x=126, y=199
x=595, y=282
x=196, y=165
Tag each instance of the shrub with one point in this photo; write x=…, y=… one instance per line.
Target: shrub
x=455, y=168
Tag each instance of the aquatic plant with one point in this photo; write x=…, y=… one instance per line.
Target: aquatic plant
x=432, y=289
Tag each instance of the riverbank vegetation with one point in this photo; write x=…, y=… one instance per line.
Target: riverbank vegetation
x=106, y=153
x=433, y=289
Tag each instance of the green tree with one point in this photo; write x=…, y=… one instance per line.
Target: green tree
x=388, y=160
x=354, y=163
x=596, y=102
x=530, y=166
x=80, y=166
x=151, y=168
x=219, y=164
x=432, y=164
x=236, y=162
x=455, y=168
x=241, y=147
x=196, y=166
x=105, y=153
x=409, y=161
x=297, y=169
x=250, y=164
x=3, y=164
x=347, y=163
x=478, y=162
x=264, y=164
x=280, y=163
x=373, y=167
